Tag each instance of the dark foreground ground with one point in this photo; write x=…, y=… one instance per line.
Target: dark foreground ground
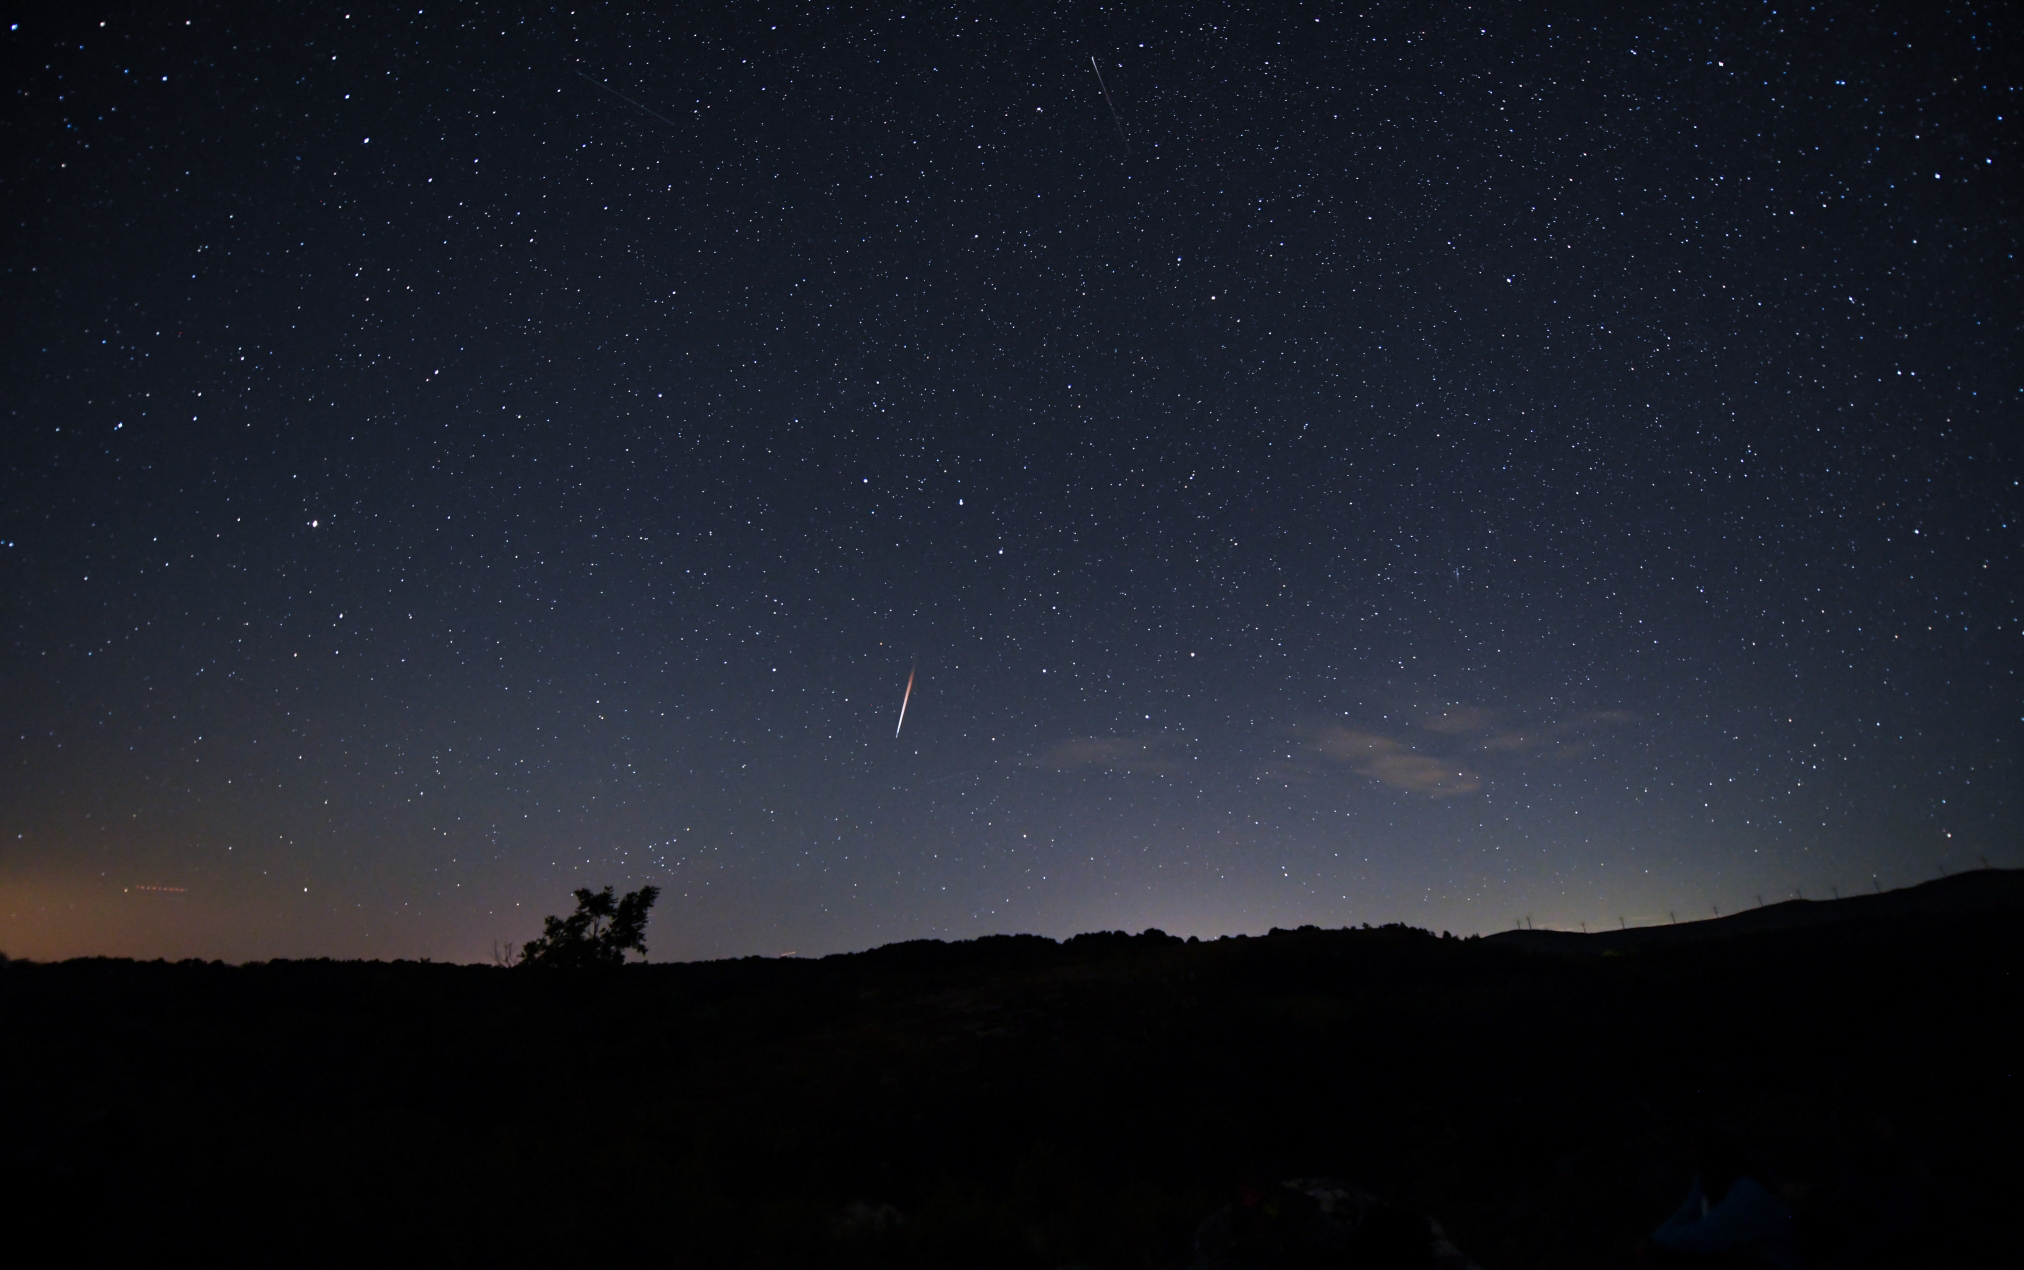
x=1018, y=1102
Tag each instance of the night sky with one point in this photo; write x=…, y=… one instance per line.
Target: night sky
x=1430, y=463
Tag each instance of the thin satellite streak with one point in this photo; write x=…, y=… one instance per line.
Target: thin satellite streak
x=1107, y=101
x=629, y=101
x=903, y=704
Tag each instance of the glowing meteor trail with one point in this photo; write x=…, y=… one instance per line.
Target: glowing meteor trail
x=629, y=101
x=1106, y=101
x=903, y=704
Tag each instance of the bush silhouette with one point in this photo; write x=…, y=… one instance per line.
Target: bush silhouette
x=598, y=933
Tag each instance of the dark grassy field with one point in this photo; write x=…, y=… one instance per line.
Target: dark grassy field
x=1017, y=1102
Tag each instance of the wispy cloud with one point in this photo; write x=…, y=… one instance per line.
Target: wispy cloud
x=1393, y=762
x=1439, y=753
x=1459, y=720
x=1567, y=738
x=1111, y=754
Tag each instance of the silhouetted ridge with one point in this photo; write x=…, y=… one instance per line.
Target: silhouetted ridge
x=1976, y=891
x=1100, y=1099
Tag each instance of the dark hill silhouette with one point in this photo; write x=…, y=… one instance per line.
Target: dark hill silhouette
x=1015, y=1101
x=1976, y=891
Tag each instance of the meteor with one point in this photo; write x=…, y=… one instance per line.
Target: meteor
x=1099, y=83
x=903, y=703
x=629, y=101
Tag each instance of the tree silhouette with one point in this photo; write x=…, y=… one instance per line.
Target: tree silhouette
x=598, y=933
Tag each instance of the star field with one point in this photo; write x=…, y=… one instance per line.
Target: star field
x=1451, y=466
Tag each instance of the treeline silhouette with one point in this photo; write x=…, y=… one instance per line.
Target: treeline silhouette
x=1009, y=1101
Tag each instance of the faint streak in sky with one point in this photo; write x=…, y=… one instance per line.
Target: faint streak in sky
x=1111, y=754
x=1107, y=101
x=908, y=696
x=629, y=101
